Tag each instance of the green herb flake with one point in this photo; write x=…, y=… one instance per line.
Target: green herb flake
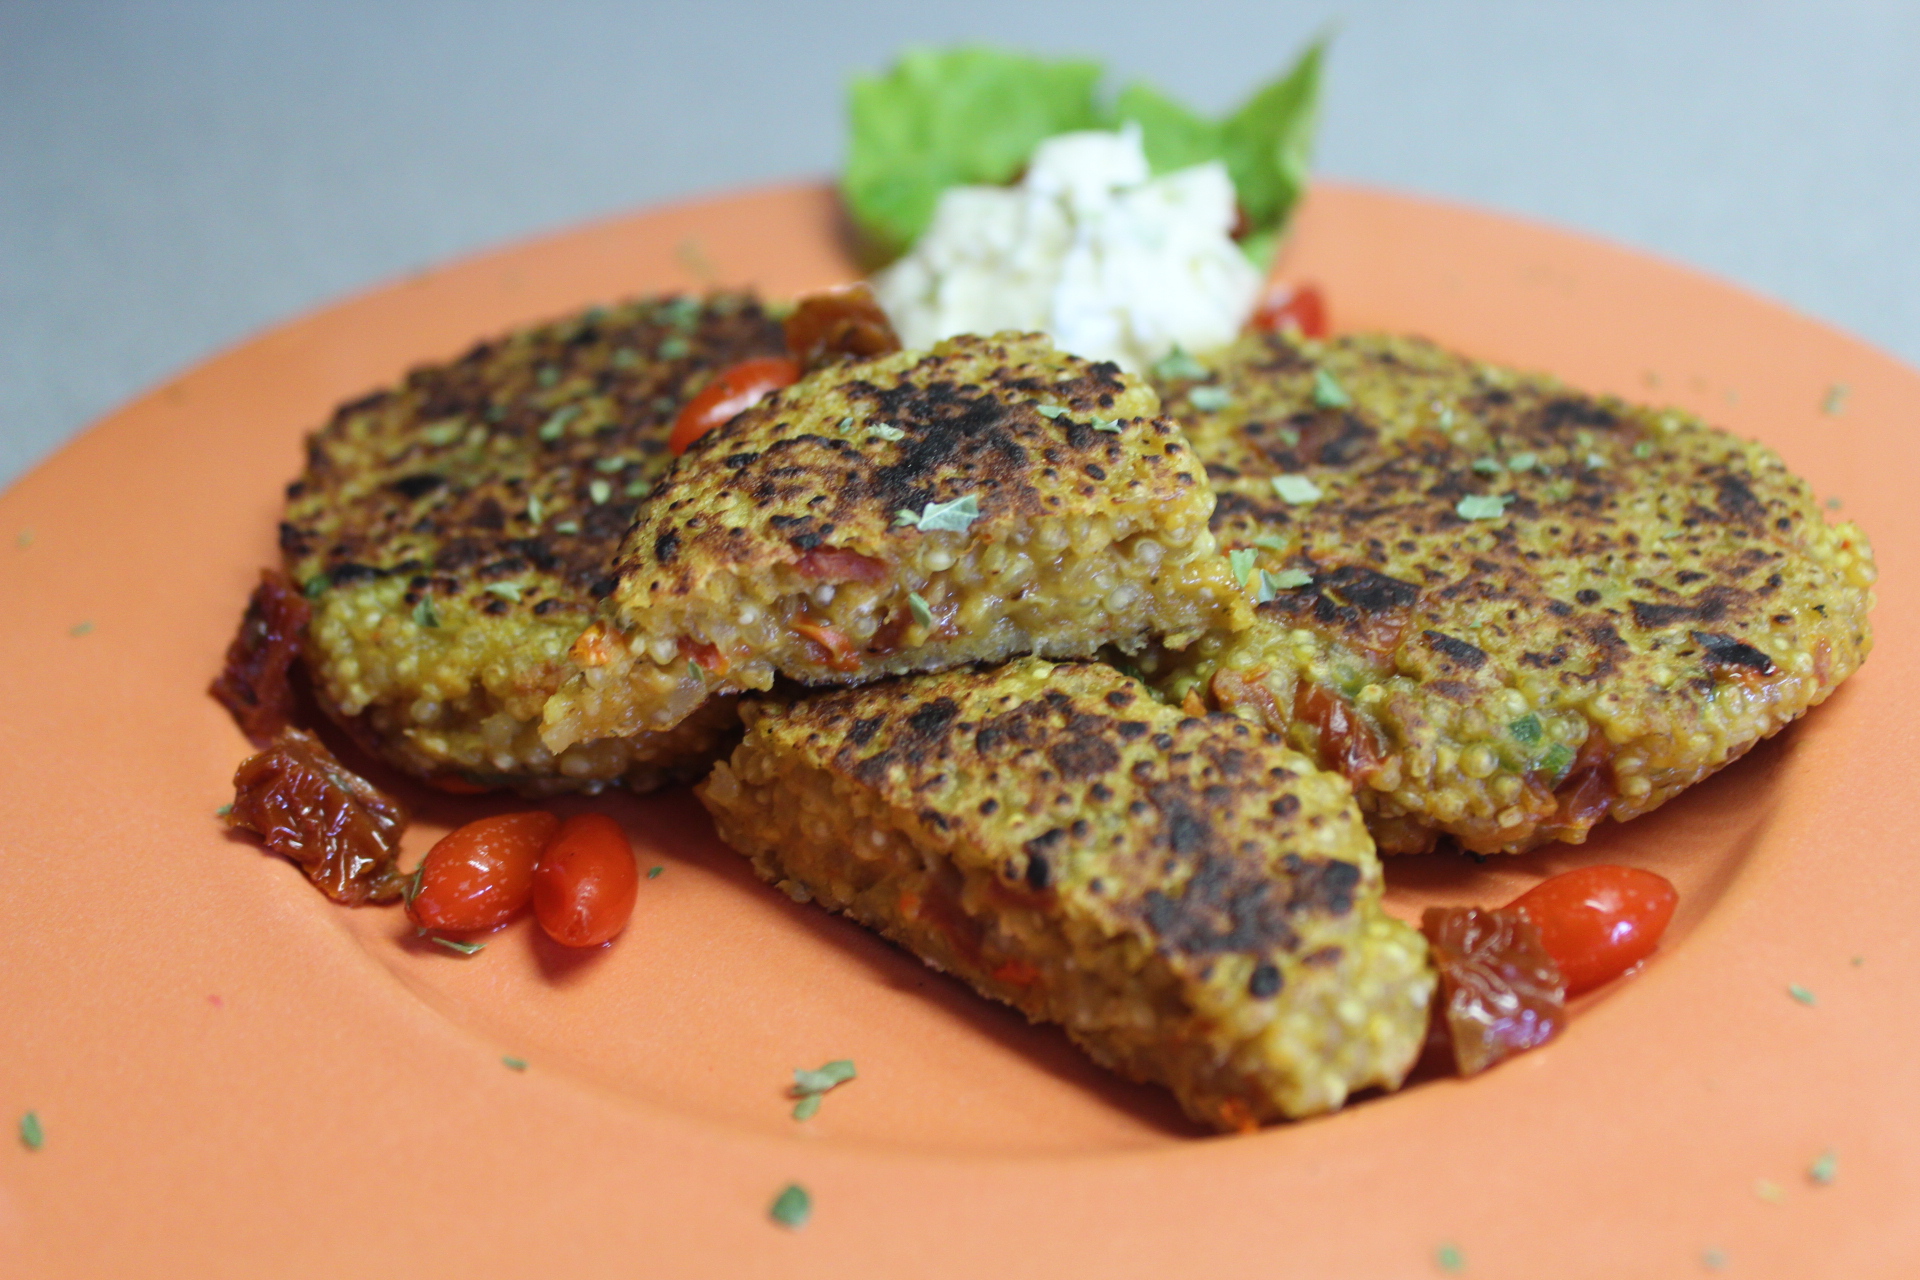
x=1178, y=364
x=505, y=590
x=599, y=491
x=443, y=433
x=948, y=517
x=425, y=615
x=624, y=358
x=568, y=527
x=1482, y=506
x=546, y=375
x=1271, y=541
x=1109, y=425
x=454, y=944
x=1836, y=399
x=638, y=489
x=1209, y=398
x=1595, y=462
x=556, y=424
x=675, y=348
x=316, y=586
x=80, y=628
x=904, y=517
x=33, y=1135
x=1768, y=1191
x=1833, y=504
x=1052, y=412
x=1328, y=393
x=1487, y=466
x=607, y=466
x=829, y=1076
x=1449, y=1259
x=653, y=873
x=1296, y=489
x=792, y=1207
x=886, y=431
x=412, y=888
x=1272, y=584
x=1241, y=559
x=1644, y=449
x=694, y=672
x=1526, y=729
x=807, y=1108
x=1821, y=1171
x=1557, y=761
x=1857, y=961
x=917, y=605
x=512, y=1063
x=1522, y=462
x=683, y=312
x=1800, y=993
x=536, y=510
x=1714, y=1259
x=223, y=811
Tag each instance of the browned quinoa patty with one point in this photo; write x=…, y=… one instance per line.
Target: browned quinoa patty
x=457, y=533
x=1504, y=608
x=1193, y=901
x=912, y=512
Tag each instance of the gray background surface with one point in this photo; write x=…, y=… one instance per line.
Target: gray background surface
x=175, y=176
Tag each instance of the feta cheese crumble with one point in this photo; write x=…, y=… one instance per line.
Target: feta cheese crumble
x=1089, y=248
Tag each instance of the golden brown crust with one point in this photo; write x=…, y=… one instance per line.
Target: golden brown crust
x=1541, y=606
x=457, y=533
x=1192, y=900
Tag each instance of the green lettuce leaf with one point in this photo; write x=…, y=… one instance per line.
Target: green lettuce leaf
x=943, y=118
x=1267, y=145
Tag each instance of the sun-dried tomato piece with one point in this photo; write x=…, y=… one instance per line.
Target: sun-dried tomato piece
x=837, y=564
x=840, y=322
x=254, y=683
x=340, y=829
x=1500, y=992
x=1348, y=744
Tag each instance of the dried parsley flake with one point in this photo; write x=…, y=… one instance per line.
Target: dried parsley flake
x=1482, y=506
x=1241, y=558
x=1800, y=993
x=792, y=1207
x=1052, y=412
x=1327, y=393
x=1526, y=729
x=834, y=1073
x=505, y=590
x=512, y=1063
x=1178, y=364
x=599, y=491
x=424, y=614
x=1449, y=1259
x=607, y=466
x=1209, y=398
x=917, y=605
x=1296, y=489
x=653, y=873
x=555, y=425
x=949, y=517
x=33, y=1135
x=1823, y=1169
x=1109, y=425
x=1836, y=399
x=886, y=431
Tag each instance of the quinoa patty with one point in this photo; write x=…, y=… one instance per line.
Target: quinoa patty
x=457, y=534
x=1502, y=608
x=910, y=512
x=1193, y=901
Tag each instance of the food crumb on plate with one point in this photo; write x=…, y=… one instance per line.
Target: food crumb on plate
x=1714, y=1259
x=1800, y=993
x=512, y=1063
x=32, y=1135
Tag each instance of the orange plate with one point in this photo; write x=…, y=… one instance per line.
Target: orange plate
x=236, y=1078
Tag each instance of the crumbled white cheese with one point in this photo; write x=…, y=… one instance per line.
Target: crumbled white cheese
x=1113, y=263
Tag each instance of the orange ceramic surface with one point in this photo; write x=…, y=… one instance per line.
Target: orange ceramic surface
x=237, y=1078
